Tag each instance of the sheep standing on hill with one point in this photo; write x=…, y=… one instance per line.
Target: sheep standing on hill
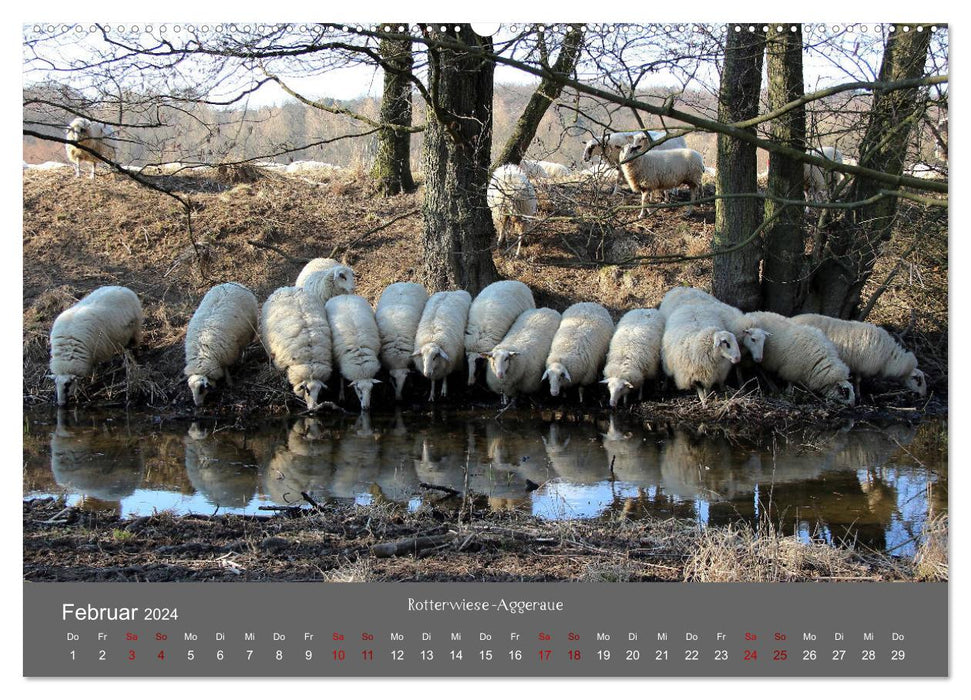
x=516, y=363
x=491, y=315
x=661, y=170
x=398, y=313
x=356, y=342
x=326, y=278
x=439, y=340
x=803, y=354
x=224, y=324
x=296, y=335
x=610, y=146
x=97, y=137
x=750, y=337
x=511, y=200
x=869, y=351
x=90, y=332
x=697, y=350
x=634, y=355
x=579, y=347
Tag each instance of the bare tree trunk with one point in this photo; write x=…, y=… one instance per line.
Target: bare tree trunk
x=785, y=245
x=735, y=275
x=549, y=90
x=392, y=167
x=458, y=232
x=854, y=241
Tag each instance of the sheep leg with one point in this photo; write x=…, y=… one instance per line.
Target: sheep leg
x=340, y=395
x=431, y=396
x=444, y=386
x=703, y=395
x=581, y=394
x=229, y=380
x=644, y=196
x=93, y=166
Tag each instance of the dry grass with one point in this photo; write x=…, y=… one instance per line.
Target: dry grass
x=930, y=563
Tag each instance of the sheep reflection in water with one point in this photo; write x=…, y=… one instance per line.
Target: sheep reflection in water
x=220, y=466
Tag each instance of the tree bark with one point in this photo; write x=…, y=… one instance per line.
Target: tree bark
x=784, y=264
x=735, y=275
x=548, y=91
x=854, y=241
x=458, y=233
x=392, y=166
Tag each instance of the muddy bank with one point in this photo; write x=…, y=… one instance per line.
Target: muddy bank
x=448, y=539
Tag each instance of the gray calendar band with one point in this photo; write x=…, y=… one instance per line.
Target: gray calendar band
x=485, y=630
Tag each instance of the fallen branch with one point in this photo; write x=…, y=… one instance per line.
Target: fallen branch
x=412, y=545
x=445, y=489
x=281, y=253
x=379, y=227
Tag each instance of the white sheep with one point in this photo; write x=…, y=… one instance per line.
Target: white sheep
x=439, y=340
x=397, y=315
x=610, y=146
x=296, y=336
x=544, y=170
x=225, y=323
x=648, y=171
x=802, y=354
x=90, y=332
x=356, y=342
x=750, y=337
x=634, y=354
x=820, y=184
x=697, y=350
x=512, y=199
x=579, y=347
x=325, y=278
x=869, y=351
x=95, y=136
x=491, y=315
x=516, y=363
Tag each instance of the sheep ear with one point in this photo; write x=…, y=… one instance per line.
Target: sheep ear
x=566, y=373
x=416, y=353
x=443, y=354
x=486, y=355
x=378, y=381
x=546, y=375
x=605, y=381
x=513, y=353
x=628, y=385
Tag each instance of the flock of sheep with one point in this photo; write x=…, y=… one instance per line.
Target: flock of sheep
x=318, y=324
x=318, y=327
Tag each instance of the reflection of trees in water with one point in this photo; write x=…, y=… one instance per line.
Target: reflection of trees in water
x=220, y=466
x=102, y=460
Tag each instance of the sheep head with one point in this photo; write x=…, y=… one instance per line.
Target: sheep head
x=78, y=129
x=753, y=340
x=65, y=383
x=592, y=145
x=309, y=392
x=725, y=345
x=842, y=392
x=618, y=389
x=343, y=278
x=917, y=382
x=432, y=358
x=199, y=385
x=557, y=374
x=362, y=388
x=499, y=361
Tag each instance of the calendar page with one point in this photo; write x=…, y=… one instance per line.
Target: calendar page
x=499, y=350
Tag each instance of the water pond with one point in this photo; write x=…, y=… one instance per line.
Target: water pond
x=872, y=485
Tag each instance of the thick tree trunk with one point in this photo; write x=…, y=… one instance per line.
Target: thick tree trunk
x=735, y=275
x=549, y=90
x=783, y=268
x=855, y=240
x=392, y=167
x=458, y=232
